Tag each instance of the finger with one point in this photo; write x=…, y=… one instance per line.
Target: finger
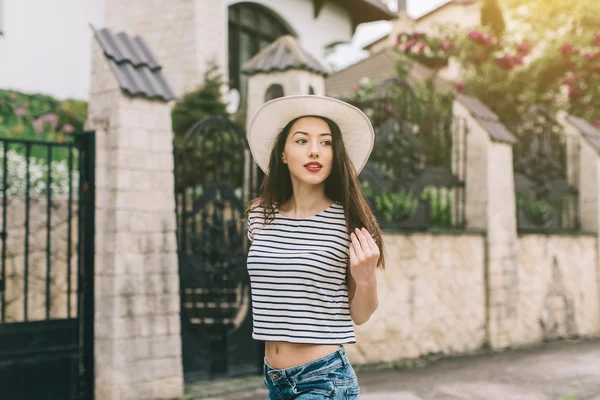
x=352, y=254
x=363, y=242
x=356, y=244
x=371, y=241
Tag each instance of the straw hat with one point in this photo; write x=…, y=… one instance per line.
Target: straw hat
x=273, y=116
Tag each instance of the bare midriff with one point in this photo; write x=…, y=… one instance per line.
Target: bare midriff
x=283, y=355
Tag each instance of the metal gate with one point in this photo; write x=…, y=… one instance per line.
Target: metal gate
x=212, y=184
x=47, y=266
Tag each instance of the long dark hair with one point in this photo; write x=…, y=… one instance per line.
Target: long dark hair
x=342, y=186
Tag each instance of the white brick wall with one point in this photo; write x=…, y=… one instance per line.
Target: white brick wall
x=137, y=337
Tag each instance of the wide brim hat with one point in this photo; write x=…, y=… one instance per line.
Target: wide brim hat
x=357, y=131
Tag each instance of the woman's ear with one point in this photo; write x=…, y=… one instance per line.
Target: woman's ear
x=283, y=158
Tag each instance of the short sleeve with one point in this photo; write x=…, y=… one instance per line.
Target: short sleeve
x=250, y=226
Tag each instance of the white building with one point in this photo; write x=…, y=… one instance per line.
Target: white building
x=185, y=34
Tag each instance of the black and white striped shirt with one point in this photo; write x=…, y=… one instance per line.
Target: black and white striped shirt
x=297, y=269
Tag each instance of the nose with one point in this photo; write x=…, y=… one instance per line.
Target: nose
x=314, y=151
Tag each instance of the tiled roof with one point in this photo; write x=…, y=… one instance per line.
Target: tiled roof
x=487, y=118
x=283, y=54
x=589, y=132
x=134, y=65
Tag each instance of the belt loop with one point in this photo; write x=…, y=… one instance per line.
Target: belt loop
x=342, y=355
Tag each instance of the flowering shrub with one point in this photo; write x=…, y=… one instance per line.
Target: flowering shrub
x=38, y=175
x=501, y=72
x=427, y=50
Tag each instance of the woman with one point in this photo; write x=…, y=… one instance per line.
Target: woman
x=315, y=244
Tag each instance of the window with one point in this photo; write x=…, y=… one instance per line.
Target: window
x=273, y=92
x=311, y=90
x=251, y=28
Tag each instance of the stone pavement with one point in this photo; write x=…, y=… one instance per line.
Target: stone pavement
x=568, y=370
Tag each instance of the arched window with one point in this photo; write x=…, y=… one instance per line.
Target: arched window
x=251, y=28
x=273, y=92
x=311, y=90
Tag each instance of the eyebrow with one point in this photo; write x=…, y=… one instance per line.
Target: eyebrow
x=304, y=133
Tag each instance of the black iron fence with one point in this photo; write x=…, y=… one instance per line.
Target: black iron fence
x=46, y=276
x=545, y=185
x=415, y=176
x=211, y=189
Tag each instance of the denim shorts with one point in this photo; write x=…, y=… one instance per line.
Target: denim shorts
x=329, y=377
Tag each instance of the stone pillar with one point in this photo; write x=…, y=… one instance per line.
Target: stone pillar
x=588, y=178
x=490, y=206
x=185, y=35
x=137, y=327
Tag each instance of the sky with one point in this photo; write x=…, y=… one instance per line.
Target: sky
x=59, y=33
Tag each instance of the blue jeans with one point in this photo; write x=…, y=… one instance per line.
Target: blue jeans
x=329, y=377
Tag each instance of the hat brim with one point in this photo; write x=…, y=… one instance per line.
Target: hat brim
x=357, y=131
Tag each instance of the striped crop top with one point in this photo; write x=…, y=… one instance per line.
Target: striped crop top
x=297, y=269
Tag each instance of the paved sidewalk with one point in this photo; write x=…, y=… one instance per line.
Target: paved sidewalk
x=567, y=370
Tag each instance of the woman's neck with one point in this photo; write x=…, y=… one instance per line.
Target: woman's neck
x=306, y=200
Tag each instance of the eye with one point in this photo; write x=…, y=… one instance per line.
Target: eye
x=301, y=141
x=327, y=142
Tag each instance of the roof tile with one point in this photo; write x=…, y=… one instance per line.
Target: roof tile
x=134, y=65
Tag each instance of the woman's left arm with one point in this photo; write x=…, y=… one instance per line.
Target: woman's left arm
x=362, y=277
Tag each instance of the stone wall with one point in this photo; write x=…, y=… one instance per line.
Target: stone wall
x=432, y=295
x=37, y=262
x=431, y=299
x=558, y=294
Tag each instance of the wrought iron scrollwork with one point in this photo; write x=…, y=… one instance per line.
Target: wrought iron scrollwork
x=210, y=170
x=546, y=200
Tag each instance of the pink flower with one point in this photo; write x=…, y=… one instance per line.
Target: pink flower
x=505, y=62
x=567, y=49
x=446, y=45
x=489, y=40
x=68, y=128
x=410, y=44
x=596, y=123
x=47, y=120
x=523, y=48
x=574, y=92
x=418, y=35
x=461, y=87
x=421, y=47
x=13, y=96
x=20, y=111
x=570, y=80
x=475, y=36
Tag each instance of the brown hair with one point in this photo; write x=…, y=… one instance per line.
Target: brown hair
x=341, y=185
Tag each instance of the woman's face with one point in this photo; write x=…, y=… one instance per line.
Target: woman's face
x=308, y=151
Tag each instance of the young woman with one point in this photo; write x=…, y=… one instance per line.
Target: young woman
x=315, y=244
